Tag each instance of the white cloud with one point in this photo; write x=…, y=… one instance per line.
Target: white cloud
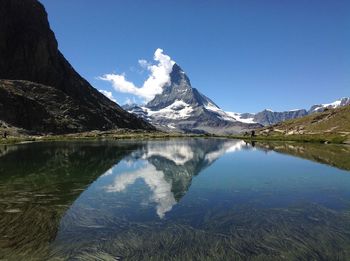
x=144, y=64
x=158, y=77
x=108, y=94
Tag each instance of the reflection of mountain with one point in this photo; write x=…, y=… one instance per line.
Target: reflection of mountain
x=203, y=154
x=334, y=155
x=38, y=182
x=170, y=167
x=48, y=179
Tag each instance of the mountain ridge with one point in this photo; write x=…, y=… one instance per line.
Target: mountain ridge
x=331, y=125
x=29, y=52
x=176, y=108
x=268, y=117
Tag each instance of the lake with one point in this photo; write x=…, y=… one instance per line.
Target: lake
x=176, y=199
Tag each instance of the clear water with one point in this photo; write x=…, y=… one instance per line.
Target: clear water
x=178, y=199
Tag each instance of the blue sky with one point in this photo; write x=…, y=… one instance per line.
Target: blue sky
x=244, y=55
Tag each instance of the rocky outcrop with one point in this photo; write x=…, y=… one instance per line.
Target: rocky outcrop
x=29, y=51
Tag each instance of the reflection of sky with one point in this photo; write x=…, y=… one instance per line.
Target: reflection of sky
x=161, y=189
x=135, y=196
x=135, y=191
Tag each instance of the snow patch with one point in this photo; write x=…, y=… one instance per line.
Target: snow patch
x=177, y=110
x=338, y=103
x=238, y=117
x=221, y=114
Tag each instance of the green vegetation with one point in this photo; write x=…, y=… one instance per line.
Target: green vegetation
x=330, y=126
x=97, y=135
x=316, y=138
x=331, y=154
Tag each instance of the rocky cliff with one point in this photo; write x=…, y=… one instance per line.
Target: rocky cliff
x=29, y=51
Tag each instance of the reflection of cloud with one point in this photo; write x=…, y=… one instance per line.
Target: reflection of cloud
x=173, y=151
x=160, y=188
x=108, y=172
x=227, y=147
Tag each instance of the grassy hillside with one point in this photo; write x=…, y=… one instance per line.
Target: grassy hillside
x=332, y=125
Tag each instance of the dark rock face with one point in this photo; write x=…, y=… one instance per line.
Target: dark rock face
x=28, y=51
x=42, y=108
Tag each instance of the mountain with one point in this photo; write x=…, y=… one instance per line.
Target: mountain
x=330, y=125
x=180, y=107
x=321, y=107
x=268, y=117
x=41, y=91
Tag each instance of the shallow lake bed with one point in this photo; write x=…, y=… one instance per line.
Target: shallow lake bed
x=175, y=199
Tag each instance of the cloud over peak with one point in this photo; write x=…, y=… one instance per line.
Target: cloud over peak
x=159, y=76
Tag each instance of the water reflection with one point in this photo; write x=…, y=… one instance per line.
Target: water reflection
x=38, y=182
x=155, y=180
x=169, y=166
x=142, y=200
x=330, y=154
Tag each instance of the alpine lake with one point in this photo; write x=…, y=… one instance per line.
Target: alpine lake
x=174, y=199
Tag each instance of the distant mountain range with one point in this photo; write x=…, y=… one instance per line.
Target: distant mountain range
x=268, y=117
x=180, y=107
x=40, y=91
x=332, y=125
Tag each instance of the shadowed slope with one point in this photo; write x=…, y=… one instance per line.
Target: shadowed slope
x=29, y=51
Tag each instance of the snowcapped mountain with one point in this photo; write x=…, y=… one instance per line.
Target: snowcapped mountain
x=321, y=107
x=268, y=117
x=180, y=107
